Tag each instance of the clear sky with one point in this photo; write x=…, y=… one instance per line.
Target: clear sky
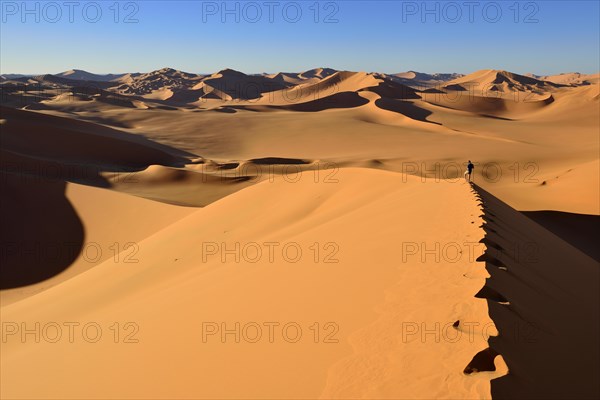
x=543, y=37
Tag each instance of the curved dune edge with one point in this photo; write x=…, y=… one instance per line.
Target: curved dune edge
x=113, y=225
x=542, y=295
x=170, y=293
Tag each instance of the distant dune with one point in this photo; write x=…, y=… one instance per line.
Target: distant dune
x=422, y=80
x=502, y=81
x=463, y=113
x=87, y=76
x=571, y=78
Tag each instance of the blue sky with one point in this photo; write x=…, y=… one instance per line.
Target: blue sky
x=543, y=37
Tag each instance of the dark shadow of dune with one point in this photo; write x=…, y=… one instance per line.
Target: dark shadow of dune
x=580, y=230
x=73, y=141
x=226, y=110
x=231, y=165
x=86, y=85
x=41, y=234
x=101, y=118
x=278, y=160
x=406, y=108
x=456, y=87
x=162, y=107
x=432, y=90
x=543, y=296
x=38, y=167
x=490, y=107
x=393, y=90
x=338, y=100
x=24, y=95
x=496, y=117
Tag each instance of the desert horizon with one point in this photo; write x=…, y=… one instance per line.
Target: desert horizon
x=325, y=233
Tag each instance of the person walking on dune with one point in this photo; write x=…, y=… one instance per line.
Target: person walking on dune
x=469, y=171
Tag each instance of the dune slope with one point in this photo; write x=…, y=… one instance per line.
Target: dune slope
x=543, y=295
x=342, y=301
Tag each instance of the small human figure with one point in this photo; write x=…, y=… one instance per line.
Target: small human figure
x=469, y=171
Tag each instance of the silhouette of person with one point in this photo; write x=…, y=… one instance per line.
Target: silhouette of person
x=469, y=171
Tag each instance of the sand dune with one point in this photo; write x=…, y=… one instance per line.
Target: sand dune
x=333, y=85
x=183, y=187
x=87, y=76
x=501, y=81
x=172, y=280
x=69, y=141
x=572, y=78
x=162, y=79
x=491, y=105
x=339, y=90
x=363, y=172
x=527, y=129
x=528, y=125
x=421, y=80
x=320, y=73
x=288, y=78
x=238, y=85
x=67, y=80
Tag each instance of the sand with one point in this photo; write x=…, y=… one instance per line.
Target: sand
x=405, y=287
x=356, y=284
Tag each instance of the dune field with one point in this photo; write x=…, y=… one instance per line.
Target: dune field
x=299, y=235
